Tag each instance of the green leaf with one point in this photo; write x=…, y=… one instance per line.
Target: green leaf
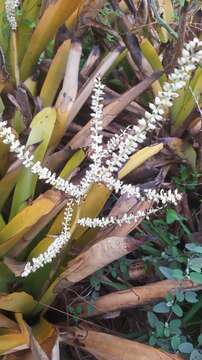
x=195, y=355
x=30, y=12
x=185, y=103
x=95, y=282
x=169, y=297
x=42, y=127
x=186, y=347
x=152, y=319
x=78, y=309
x=5, y=31
x=177, y=274
x=152, y=340
x=194, y=248
x=123, y=266
x=90, y=308
x=166, y=332
x=160, y=329
x=191, y=297
x=161, y=308
x=177, y=310
x=174, y=326
x=167, y=272
x=171, y=216
x=6, y=278
x=196, y=262
x=175, y=342
x=200, y=339
x=180, y=296
x=196, y=277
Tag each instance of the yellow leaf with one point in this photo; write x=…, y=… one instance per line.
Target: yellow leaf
x=139, y=158
x=183, y=149
x=56, y=226
x=7, y=184
x=55, y=74
x=89, y=208
x=54, y=16
x=7, y=323
x=43, y=330
x=2, y=222
x=15, y=340
x=23, y=221
x=31, y=85
x=92, y=205
x=73, y=163
x=70, y=22
x=20, y=302
x=152, y=56
x=185, y=103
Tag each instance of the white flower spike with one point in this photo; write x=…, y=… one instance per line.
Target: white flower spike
x=11, y=7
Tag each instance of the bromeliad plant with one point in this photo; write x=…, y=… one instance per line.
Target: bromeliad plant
x=107, y=160
x=31, y=216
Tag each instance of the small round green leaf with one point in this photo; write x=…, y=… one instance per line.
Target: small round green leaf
x=186, y=348
x=177, y=310
x=196, y=277
x=191, y=297
x=175, y=342
x=161, y=308
x=195, y=355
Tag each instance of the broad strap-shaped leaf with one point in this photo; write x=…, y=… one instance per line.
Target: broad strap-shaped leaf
x=139, y=158
x=41, y=131
x=19, y=302
x=21, y=224
x=55, y=74
x=185, y=103
x=54, y=16
x=30, y=12
x=105, y=346
x=16, y=339
x=152, y=56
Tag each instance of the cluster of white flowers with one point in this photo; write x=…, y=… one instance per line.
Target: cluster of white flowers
x=155, y=196
x=56, y=246
x=105, y=162
x=10, y=7
x=96, y=123
x=119, y=220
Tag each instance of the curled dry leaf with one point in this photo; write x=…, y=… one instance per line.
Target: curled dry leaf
x=68, y=92
x=97, y=256
x=7, y=323
x=15, y=340
x=134, y=297
x=109, y=347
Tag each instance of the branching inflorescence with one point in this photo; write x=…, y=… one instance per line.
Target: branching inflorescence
x=106, y=161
